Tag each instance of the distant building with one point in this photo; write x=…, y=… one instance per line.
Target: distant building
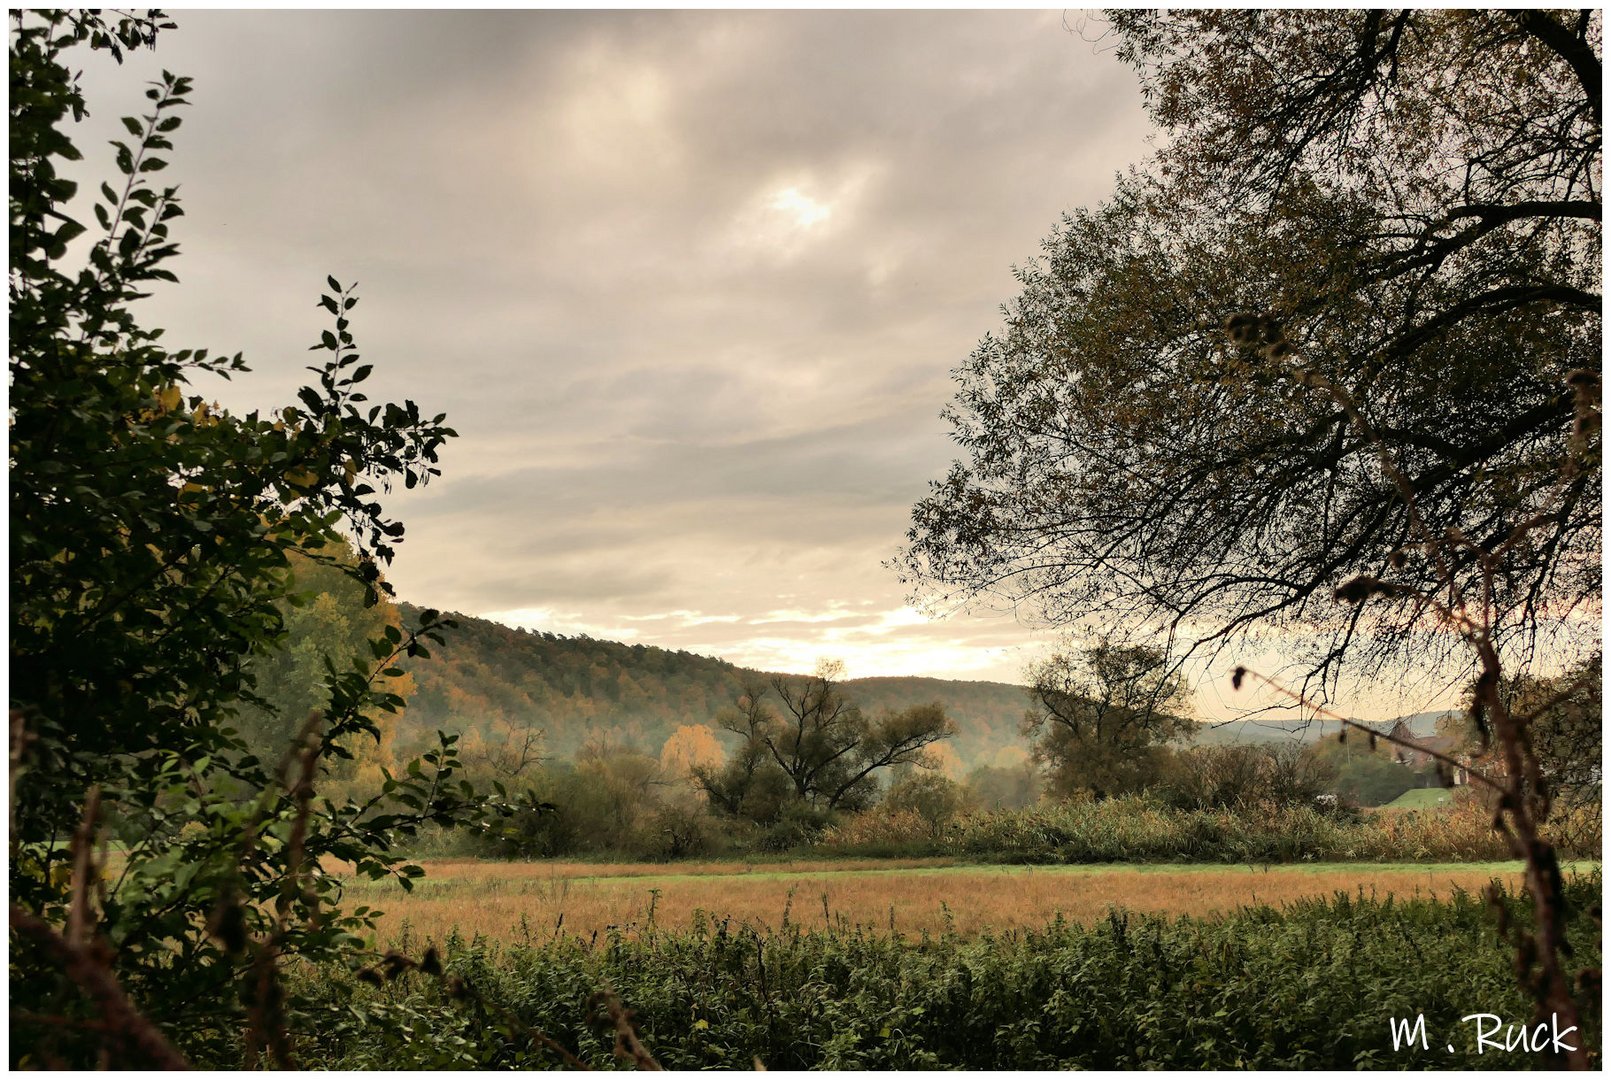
x=1416, y=752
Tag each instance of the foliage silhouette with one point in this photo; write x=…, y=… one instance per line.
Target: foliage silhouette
x=151, y=538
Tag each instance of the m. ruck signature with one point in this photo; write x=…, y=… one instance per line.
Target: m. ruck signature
x=1492, y=1034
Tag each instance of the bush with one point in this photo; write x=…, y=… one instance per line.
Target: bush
x=152, y=535
x=934, y=798
x=1309, y=986
x=798, y=825
x=1147, y=828
x=883, y=832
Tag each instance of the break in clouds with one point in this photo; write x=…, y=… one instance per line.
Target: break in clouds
x=688, y=285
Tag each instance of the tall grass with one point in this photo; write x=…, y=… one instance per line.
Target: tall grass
x=1141, y=828
x=1313, y=985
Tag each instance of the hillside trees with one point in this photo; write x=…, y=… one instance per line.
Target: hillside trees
x=1102, y=715
x=151, y=534
x=322, y=615
x=497, y=678
x=1412, y=199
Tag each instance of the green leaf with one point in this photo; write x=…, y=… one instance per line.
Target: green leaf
x=69, y=231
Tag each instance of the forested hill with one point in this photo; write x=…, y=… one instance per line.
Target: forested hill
x=497, y=679
x=494, y=678
x=1275, y=732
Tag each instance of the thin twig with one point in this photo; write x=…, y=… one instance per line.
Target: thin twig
x=1523, y=804
x=628, y=1047
x=1243, y=673
x=88, y=968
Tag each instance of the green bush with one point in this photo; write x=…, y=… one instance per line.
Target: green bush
x=1146, y=828
x=1310, y=986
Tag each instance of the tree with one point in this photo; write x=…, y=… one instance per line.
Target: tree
x=934, y=797
x=508, y=749
x=1565, y=735
x=749, y=784
x=1408, y=198
x=944, y=760
x=322, y=615
x=1329, y=369
x=151, y=541
x=624, y=785
x=1364, y=776
x=823, y=747
x=690, y=748
x=1011, y=781
x=1100, y=715
x=1205, y=777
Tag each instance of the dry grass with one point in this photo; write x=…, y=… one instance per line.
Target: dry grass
x=537, y=901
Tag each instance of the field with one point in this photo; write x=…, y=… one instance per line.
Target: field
x=1421, y=799
x=539, y=901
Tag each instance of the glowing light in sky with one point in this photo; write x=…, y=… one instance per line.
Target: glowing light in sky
x=801, y=209
x=792, y=213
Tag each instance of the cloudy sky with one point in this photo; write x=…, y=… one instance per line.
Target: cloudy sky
x=690, y=287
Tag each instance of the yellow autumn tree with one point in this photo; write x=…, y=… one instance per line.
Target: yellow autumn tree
x=691, y=746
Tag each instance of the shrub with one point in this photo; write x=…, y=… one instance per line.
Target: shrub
x=1310, y=986
x=1147, y=828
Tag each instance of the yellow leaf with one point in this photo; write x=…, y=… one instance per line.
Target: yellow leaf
x=303, y=477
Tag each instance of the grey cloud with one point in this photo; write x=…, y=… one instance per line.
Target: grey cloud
x=672, y=395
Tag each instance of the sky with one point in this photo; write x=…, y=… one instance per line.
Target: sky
x=689, y=286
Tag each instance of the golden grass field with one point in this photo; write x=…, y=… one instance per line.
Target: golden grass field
x=512, y=901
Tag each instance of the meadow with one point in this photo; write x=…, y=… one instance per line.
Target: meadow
x=542, y=901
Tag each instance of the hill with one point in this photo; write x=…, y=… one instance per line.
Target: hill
x=1301, y=732
x=498, y=678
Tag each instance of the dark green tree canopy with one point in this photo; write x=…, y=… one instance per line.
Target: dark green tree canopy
x=1100, y=713
x=151, y=539
x=819, y=750
x=1410, y=201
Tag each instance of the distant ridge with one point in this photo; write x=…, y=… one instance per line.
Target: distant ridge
x=1303, y=731
x=494, y=678
x=491, y=677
